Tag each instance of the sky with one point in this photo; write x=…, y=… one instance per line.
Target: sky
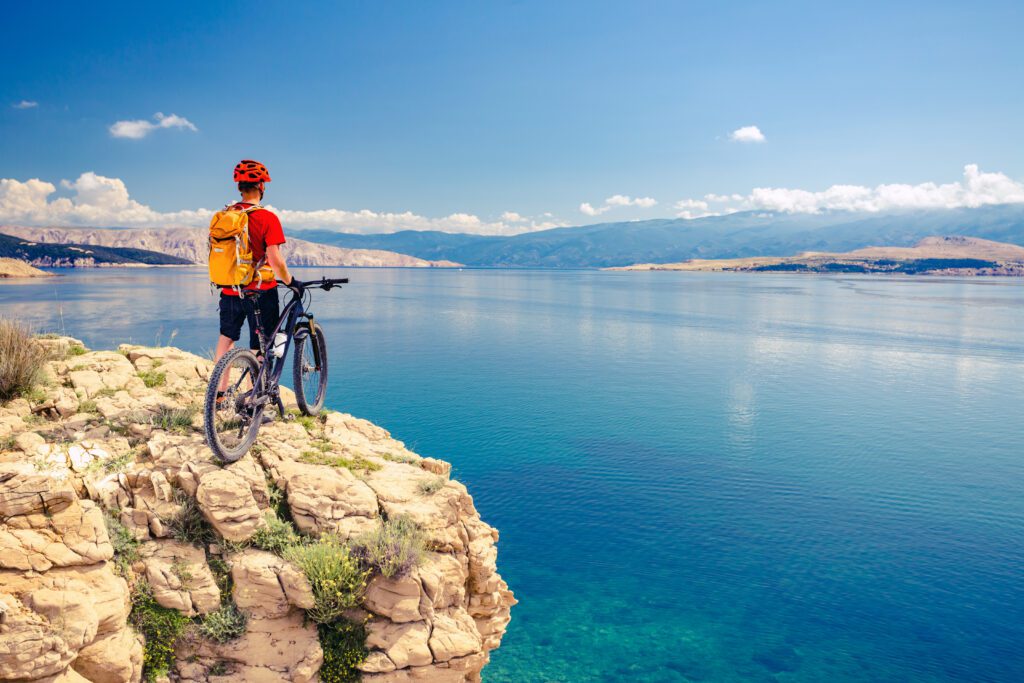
x=504, y=117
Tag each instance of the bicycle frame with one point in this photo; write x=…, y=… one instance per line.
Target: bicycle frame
x=266, y=383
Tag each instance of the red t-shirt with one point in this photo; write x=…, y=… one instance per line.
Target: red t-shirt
x=264, y=229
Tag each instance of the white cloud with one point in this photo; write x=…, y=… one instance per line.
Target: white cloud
x=977, y=188
x=140, y=128
x=99, y=201
x=747, y=134
x=586, y=208
x=25, y=104
x=617, y=200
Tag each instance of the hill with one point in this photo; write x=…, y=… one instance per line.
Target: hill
x=76, y=254
x=189, y=246
x=930, y=256
x=12, y=267
x=714, y=237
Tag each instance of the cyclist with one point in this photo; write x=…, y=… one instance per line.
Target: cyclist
x=265, y=237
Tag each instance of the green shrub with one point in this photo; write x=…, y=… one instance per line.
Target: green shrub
x=428, y=487
x=344, y=646
x=87, y=406
x=21, y=359
x=189, y=525
x=394, y=548
x=160, y=626
x=356, y=462
x=337, y=578
x=76, y=350
x=126, y=547
x=221, y=571
x=276, y=536
x=173, y=419
x=152, y=378
x=227, y=623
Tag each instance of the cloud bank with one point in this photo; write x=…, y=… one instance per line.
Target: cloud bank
x=616, y=201
x=140, y=128
x=976, y=188
x=747, y=134
x=99, y=201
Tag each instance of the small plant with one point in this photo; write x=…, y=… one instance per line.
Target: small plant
x=336, y=576
x=21, y=359
x=8, y=443
x=405, y=458
x=344, y=646
x=218, y=668
x=225, y=624
x=428, y=487
x=183, y=572
x=152, y=378
x=276, y=536
x=356, y=462
x=189, y=525
x=76, y=350
x=394, y=548
x=174, y=419
x=160, y=626
x=221, y=571
x=105, y=391
x=308, y=422
x=87, y=406
x=126, y=546
x=36, y=395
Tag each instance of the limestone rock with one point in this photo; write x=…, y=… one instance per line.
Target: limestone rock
x=404, y=644
x=454, y=634
x=266, y=585
x=396, y=598
x=326, y=499
x=29, y=647
x=180, y=577
x=228, y=504
x=112, y=658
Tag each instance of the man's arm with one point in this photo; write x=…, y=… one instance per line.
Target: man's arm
x=276, y=261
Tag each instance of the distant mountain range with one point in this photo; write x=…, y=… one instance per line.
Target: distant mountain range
x=72, y=253
x=673, y=240
x=189, y=245
x=930, y=256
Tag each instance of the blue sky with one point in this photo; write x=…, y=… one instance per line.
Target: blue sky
x=455, y=113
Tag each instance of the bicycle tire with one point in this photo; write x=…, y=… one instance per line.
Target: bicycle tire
x=304, y=344
x=225, y=450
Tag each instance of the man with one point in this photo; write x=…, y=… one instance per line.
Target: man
x=265, y=238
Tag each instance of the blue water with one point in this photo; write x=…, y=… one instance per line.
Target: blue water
x=697, y=477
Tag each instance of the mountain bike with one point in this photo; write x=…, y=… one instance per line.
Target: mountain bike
x=243, y=383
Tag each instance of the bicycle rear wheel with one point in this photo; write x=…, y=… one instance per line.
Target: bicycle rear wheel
x=232, y=420
x=309, y=370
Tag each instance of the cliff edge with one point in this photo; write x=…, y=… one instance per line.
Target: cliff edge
x=127, y=552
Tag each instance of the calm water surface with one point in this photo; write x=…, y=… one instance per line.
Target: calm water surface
x=697, y=477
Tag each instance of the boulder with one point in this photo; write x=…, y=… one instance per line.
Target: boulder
x=454, y=634
x=267, y=586
x=112, y=658
x=29, y=647
x=180, y=577
x=324, y=499
x=228, y=504
x=396, y=598
x=404, y=644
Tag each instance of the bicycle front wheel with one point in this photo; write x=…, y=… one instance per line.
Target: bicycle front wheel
x=310, y=369
x=232, y=414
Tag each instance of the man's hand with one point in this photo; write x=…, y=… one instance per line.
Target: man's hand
x=294, y=285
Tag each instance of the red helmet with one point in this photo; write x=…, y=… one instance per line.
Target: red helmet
x=249, y=171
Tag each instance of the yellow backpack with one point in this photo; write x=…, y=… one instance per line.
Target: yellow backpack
x=231, y=262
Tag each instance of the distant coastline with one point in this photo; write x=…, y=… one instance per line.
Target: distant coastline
x=961, y=256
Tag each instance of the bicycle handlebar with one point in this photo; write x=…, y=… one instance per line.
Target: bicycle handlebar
x=323, y=283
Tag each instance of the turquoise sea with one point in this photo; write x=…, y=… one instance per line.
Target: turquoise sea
x=697, y=477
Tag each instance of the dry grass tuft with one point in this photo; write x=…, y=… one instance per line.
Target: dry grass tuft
x=21, y=359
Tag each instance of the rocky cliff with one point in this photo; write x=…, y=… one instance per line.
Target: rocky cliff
x=12, y=267
x=116, y=521
x=191, y=244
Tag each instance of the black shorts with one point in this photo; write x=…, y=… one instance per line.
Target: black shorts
x=234, y=310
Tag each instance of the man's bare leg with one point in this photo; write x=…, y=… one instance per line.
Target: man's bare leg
x=224, y=344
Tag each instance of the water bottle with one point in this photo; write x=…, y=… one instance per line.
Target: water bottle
x=279, y=339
